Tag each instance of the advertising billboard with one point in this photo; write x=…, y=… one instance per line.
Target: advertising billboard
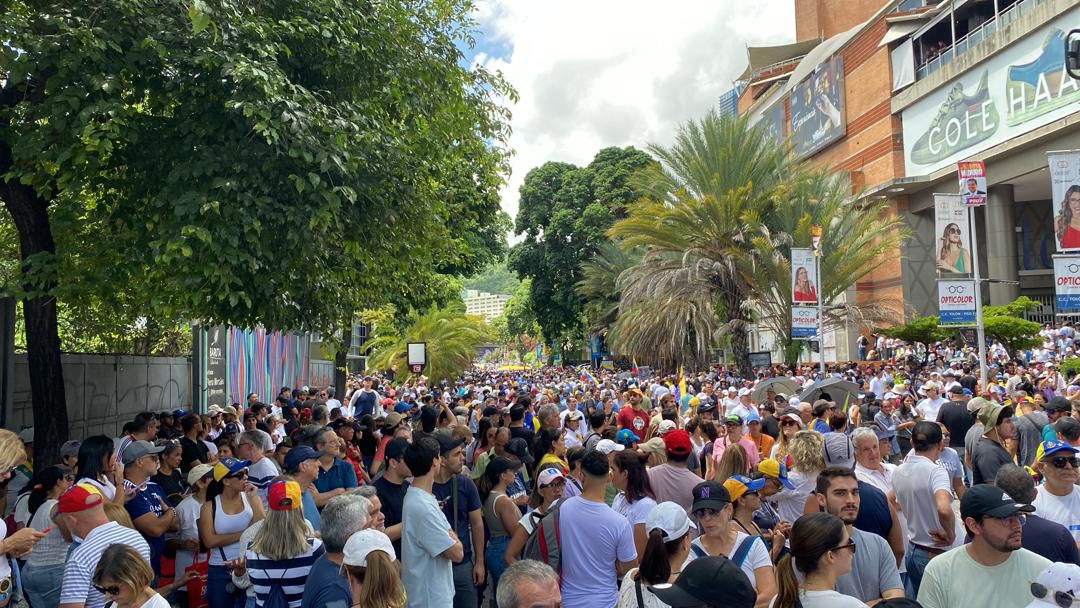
x=817, y=108
x=804, y=283
x=1020, y=88
x=972, y=175
x=1067, y=283
x=956, y=303
x=952, y=247
x=1065, y=196
x=804, y=321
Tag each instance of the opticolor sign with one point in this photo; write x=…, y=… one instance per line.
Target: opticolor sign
x=1067, y=283
x=956, y=302
x=804, y=321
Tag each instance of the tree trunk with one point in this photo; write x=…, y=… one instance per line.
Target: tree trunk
x=740, y=341
x=31, y=216
x=341, y=360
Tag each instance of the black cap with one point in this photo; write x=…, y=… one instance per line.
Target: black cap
x=1059, y=404
x=520, y=449
x=700, y=579
x=396, y=447
x=986, y=499
x=500, y=464
x=447, y=442
x=491, y=410
x=710, y=495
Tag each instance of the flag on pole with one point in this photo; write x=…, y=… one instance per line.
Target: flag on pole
x=633, y=366
x=585, y=375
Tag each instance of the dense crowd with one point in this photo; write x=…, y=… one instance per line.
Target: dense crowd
x=899, y=481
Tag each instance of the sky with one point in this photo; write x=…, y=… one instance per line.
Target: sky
x=598, y=73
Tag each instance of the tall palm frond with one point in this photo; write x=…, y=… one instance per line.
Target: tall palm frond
x=599, y=282
x=452, y=339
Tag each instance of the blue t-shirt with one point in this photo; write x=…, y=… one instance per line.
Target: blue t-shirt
x=468, y=501
x=146, y=501
x=820, y=426
x=365, y=404
x=874, y=516
x=311, y=512
x=326, y=587
x=594, y=537
x=340, y=475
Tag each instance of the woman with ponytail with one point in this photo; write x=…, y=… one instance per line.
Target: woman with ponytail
x=635, y=499
x=44, y=571
x=665, y=551
x=822, y=550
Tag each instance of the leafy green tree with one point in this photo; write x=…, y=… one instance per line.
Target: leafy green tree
x=920, y=329
x=1007, y=324
x=563, y=214
x=240, y=162
x=496, y=278
x=452, y=339
x=599, y=284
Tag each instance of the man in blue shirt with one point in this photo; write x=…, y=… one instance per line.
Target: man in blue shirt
x=302, y=462
x=147, y=505
x=335, y=475
x=326, y=587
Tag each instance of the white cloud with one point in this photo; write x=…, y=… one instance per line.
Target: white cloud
x=603, y=73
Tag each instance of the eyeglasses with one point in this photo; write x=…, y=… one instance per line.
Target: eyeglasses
x=850, y=545
x=707, y=513
x=1061, y=598
x=240, y=475
x=110, y=590
x=952, y=231
x=1014, y=519
x=1061, y=461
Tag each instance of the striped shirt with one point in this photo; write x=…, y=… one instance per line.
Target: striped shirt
x=84, y=559
x=260, y=474
x=290, y=574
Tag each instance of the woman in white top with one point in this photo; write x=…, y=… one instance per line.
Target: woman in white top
x=665, y=553
x=713, y=509
x=99, y=466
x=572, y=429
x=124, y=577
x=44, y=571
x=822, y=550
x=635, y=498
x=186, y=540
x=807, y=451
x=549, y=489
x=232, y=504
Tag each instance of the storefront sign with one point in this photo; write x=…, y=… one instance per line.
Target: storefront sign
x=956, y=302
x=804, y=321
x=952, y=248
x=972, y=174
x=817, y=108
x=804, y=283
x=1023, y=87
x=1065, y=196
x=1067, y=283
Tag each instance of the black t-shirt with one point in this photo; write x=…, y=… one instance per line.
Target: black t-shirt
x=986, y=459
x=392, y=497
x=770, y=426
x=467, y=502
x=192, y=453
x=969, y=382
x=524, y=433
x=955, y=416
x=172, y=485
x=1050, y=540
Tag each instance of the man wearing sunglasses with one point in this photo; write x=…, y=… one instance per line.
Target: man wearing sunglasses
x=993, y=568
x=1058, y=498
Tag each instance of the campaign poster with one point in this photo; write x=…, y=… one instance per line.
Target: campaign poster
x=817, y=108
x=956, y=303
x=972, y=175
x=804, y=321
x=952, y=248
x=1067, y=283
x=1065, y=195
x=804, y=283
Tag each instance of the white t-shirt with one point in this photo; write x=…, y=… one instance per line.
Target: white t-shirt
x=429, y=579
x=628, y=594
x=583, y=426
x=825, y=599
x=1064, y=510
x=758, y=557
x=790, y=503
x=915, y=483
x=635, y=512
x=155, y=602
x=187, y=512
x=5, y=567
x=929, y=408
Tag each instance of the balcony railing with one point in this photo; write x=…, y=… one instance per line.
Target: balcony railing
x=962, y=45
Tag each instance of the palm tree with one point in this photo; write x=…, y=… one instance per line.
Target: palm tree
x=598, y=286
x=452, y=339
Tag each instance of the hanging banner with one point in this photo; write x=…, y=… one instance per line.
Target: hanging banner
x=804, y=321
x=952, y=250
x=1067, y=283
x=803, y=276
x=956, y=303
x=972, y=175
x=1065, y=194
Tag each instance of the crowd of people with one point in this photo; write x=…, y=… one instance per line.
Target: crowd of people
x=551, y=486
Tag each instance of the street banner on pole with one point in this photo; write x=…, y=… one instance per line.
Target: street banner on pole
x=804, y=280
x=1065, y=195
x=804, y=321
x=953, y=246
x=972, y=175
x=1067, y=283
x=956, y=303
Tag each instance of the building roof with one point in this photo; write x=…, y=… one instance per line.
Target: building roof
x=760, y=57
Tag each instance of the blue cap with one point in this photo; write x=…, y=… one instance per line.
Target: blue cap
x=967, y=391
x=626, y=437
x=298, y=455
x=752, y=485
x=179, y=413
x=1053, y=447
x=401, y=407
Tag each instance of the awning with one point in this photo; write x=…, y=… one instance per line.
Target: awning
x=763, y=56
x=898, y=31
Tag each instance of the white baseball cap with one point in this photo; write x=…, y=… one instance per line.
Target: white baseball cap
x=607, y=446
x=665, y=426
x=363, y=542
x=550, y=474
x=744, y=391
x=794, y=402
x=670, y=518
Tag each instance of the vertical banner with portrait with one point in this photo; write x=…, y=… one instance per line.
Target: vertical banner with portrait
x=1067, y=283
x=804, y=280
x=1065, y=196
x=817, y=108
x=952, y=240
x=972, y=175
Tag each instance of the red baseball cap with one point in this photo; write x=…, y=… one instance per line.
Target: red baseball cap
x=79, y=497
x=677, y=442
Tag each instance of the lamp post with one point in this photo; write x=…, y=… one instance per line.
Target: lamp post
x=815, y=240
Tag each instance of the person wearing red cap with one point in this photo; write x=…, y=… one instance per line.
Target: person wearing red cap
x=673, y=481
x=82, y=511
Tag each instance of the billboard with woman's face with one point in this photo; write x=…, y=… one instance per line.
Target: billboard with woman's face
x=953, y=245
x=804, y=280
x=1065, y=194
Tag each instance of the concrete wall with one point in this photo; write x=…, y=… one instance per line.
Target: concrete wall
x=105, y=391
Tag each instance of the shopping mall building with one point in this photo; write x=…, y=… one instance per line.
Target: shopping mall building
x=895, y=93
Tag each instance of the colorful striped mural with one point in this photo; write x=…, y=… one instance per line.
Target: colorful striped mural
x=262, y=362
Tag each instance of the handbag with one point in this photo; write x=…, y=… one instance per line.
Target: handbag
x=196, y=585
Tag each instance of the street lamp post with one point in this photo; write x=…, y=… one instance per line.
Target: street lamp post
x=815, y=239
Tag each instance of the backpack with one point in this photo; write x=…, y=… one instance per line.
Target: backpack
x=544, y=543
x=738, y=557
x=275, y=598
